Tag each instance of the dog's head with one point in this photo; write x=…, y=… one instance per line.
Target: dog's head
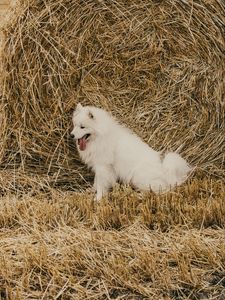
x=84, y=126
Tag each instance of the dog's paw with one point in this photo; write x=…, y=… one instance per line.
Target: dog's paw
x=98, y=197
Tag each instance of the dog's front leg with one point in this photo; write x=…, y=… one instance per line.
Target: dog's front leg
x=100, y=186
x=104, y=179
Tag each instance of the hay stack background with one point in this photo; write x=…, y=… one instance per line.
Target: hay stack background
x=157, y=65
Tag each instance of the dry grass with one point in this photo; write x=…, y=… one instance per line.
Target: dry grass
x=159, y=67
x=65, y=246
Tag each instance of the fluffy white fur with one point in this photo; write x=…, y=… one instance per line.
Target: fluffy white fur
x=116, y=154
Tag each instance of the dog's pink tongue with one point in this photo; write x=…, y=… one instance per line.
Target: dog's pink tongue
x=82, y=144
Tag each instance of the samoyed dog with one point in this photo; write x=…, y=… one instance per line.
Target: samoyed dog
x=117, y=154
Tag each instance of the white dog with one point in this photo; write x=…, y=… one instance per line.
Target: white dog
x=116, y=154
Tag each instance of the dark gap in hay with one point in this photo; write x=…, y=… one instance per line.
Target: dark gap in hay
x=190, y=293
x=157, y=65
x=3, y=294
x=218, y=279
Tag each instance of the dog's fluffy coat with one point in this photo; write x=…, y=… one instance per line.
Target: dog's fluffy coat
x=115, y=153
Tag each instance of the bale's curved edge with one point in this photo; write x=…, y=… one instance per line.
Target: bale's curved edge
x=157, y=65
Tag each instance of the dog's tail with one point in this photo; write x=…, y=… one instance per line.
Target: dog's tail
x=176, y=169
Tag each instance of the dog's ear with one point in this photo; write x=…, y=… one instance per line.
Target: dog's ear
x=90, y=115
x=79, y=106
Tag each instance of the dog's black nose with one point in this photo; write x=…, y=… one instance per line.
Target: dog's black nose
x=72, y=135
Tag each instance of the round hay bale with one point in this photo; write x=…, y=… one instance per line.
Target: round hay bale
x=157, y=65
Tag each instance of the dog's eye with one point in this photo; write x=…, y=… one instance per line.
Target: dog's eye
x=82, y=127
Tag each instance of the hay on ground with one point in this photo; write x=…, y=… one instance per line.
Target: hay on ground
x=65, y=246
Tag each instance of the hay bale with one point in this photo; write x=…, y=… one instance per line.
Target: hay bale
x=158, y=65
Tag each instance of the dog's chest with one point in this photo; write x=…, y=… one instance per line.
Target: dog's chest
x=97, y=154
x=87, y=157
